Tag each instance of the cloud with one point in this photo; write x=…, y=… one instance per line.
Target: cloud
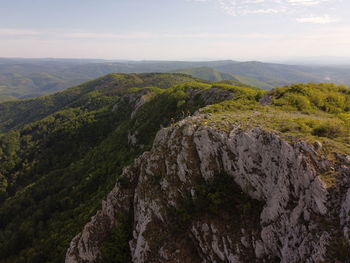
x=317, y=19
x=265, y=11
x=248, y=7
x=306, y=2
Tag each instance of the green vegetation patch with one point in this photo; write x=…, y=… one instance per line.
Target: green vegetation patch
x=219, y=197
x=310, y=112
x=66, y=154
x=116, y=249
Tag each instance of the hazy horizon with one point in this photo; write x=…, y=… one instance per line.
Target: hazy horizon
x=317, y=61
x=175, y=30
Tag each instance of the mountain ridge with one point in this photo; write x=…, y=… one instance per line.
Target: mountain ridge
x=69, y=152
x=22, y=78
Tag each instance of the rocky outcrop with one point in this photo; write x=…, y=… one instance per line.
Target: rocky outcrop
x=208, y=96
x=133, y=100
x=281, y=210
x=85, y=247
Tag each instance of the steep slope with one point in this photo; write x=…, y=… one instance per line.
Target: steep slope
x=214, y=75
x=203, y=195
x=242, y=181
x=54, y=171
x=62, y=154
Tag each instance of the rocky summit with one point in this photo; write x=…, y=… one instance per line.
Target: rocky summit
x=170, y=168
x=278, y=208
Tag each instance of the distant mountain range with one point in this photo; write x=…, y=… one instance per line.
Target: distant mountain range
x=22, y=78
x=211, y=74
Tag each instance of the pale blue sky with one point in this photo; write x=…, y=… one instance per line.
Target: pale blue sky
x=174, y=29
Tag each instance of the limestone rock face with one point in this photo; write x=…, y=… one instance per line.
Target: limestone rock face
x=283, y=212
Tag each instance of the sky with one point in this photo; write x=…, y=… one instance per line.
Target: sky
x=175, y=29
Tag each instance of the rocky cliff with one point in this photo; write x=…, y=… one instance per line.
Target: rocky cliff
x=205, y=194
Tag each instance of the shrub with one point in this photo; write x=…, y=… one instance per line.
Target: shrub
x=327, y=97
x=297, y=101
x=329, y=130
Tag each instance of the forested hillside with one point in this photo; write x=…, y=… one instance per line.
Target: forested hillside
x=61, y=154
